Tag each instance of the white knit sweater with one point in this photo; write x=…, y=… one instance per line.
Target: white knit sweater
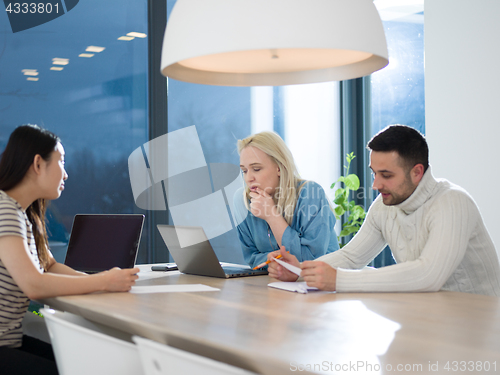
x=436, y=236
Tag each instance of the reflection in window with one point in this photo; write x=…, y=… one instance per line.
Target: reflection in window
x=397, y=91
x=305, y=116
x=92, y=92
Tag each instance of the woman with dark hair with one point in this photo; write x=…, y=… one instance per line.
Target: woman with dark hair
x=32, y=172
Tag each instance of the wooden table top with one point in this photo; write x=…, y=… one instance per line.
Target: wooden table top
x=271, y=331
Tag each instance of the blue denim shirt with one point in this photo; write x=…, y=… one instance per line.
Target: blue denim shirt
x=310, y=236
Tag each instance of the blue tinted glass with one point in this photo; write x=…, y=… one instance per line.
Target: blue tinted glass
x=398, y=89
x=95, y=99
x=222, y=115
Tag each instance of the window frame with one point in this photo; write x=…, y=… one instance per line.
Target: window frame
x=157, y=113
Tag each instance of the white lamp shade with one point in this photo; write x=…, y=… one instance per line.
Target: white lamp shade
x=272, y=42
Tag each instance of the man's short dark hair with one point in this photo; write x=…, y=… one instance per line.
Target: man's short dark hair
x=409, y=143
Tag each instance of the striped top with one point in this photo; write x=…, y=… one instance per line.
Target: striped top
x=13, y=301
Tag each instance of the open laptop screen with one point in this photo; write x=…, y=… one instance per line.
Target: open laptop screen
x=193, y=253
x=100, y=242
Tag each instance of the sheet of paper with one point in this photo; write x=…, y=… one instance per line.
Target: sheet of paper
x=300, y=287
x=295, y=270
x=138, y=289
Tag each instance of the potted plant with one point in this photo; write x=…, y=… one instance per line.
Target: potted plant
x=350, y=214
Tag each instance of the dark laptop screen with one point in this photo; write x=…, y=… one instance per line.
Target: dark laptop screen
x=101, y=242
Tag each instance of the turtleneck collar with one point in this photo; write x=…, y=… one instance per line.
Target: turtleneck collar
x=421, y=194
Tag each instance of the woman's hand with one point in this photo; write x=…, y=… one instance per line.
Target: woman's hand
x=119, y=280
x=262, y=204
x=279, y=272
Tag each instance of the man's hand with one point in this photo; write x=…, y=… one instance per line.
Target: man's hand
x=279, y=272
x=319, y=274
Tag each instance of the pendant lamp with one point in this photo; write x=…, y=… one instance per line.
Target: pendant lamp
x=272, y=42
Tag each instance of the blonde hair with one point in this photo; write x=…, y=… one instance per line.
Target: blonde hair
x=285, y=196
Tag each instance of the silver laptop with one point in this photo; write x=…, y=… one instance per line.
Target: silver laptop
x=101, y=242
x=196, y=255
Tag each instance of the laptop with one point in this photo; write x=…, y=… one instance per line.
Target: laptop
x=199, y=258
x=100, y=242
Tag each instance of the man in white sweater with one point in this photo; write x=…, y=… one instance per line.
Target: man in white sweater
x=433, y=228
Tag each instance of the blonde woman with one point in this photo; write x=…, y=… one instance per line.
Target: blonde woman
x=277, y=208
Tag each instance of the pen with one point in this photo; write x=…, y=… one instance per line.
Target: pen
x=266, y=262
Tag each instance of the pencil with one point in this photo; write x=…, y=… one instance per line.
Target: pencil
x=266, y=262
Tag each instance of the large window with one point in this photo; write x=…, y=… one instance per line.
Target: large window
x=305, y=116
x=397, y=91
x=84, y=77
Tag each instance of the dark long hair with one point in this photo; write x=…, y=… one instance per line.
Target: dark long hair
x=24, y=144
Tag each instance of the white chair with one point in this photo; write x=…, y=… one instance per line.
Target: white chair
x=34, y=326
x=84, y=348
x=162, y=359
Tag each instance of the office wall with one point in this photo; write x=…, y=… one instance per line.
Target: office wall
x=462, y=81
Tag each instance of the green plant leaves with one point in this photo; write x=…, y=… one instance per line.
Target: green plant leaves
x=339, y=211
x=352, y=182
x=340, y=196
x=355, y=213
